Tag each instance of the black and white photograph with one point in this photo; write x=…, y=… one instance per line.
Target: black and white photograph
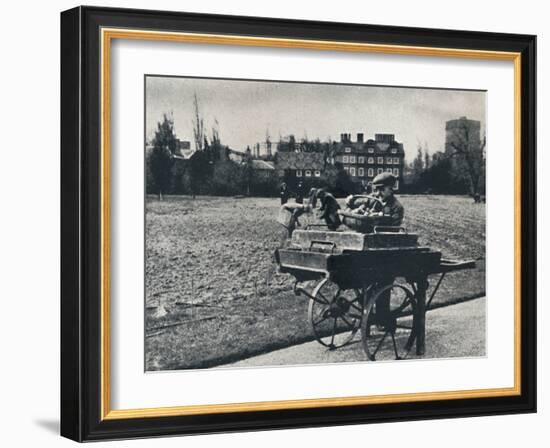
x=293, y=223
x=270, y=224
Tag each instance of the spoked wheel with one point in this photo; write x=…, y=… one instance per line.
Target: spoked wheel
x=387, y=324
x=335, y=314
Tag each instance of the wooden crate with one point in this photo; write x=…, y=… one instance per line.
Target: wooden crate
x=327, y=241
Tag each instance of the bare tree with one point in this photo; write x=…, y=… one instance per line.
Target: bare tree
x=470, y=152
x=198, y=125
x=268, y=143
x=215, y=132
x=427, y=161
x=417, y=165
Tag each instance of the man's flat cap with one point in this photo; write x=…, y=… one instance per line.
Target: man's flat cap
x=383, y=180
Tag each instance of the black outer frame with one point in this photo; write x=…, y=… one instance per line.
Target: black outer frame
x=80, y=223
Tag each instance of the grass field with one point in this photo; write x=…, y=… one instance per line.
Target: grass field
x=213, y=294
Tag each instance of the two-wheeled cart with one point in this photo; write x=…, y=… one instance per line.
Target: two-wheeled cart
x=375, y=282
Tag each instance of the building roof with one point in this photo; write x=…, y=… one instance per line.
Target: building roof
x=382, y=144
x=258, y=164
x=237, y=153
x=235, y=156
x=300, y=161
x=363, y=148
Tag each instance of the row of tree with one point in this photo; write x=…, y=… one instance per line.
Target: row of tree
x=208, y=171
x=460, y=169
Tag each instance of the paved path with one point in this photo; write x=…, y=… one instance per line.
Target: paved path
x=452, y=331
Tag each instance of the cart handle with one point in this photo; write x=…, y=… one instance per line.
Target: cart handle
x=323, y=243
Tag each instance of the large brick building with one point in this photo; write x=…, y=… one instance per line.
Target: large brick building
x=364, y=160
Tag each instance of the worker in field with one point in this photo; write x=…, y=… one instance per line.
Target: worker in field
x=284, y=193
x=291, y=211
x=329, y=209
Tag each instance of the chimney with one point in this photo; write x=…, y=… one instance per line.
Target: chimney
x=385, y=138
x=360, y=138
x=345, y=138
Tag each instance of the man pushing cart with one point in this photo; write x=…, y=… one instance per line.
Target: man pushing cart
x=369, y=275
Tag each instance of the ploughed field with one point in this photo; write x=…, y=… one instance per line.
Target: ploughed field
x=214, y=296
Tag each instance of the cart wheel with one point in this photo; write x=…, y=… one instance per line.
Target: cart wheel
x=387, y=324
x=335, y=314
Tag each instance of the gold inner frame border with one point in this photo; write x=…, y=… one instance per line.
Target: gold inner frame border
x=107, y=35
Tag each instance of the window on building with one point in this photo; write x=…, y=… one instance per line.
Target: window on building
x=396, y=172
x=351, y=159
x=348, y=149
x=380, y=170
x=371, y=150
x=371, y=172
x=345, y=159
x=371, y=160
x=352, y=171
x=308, y=173
x=389, y=170
x=394, y=150
x=298, y=173
x=361, y=160
x=389, y=160
x=361, y=172
x=346, y=169
x=396, y=187
x=396, y=160
x=317, y=173
x=380, y=160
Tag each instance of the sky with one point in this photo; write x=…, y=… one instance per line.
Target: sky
x=245, y=110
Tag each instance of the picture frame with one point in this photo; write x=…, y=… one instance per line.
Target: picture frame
x=86, y=37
